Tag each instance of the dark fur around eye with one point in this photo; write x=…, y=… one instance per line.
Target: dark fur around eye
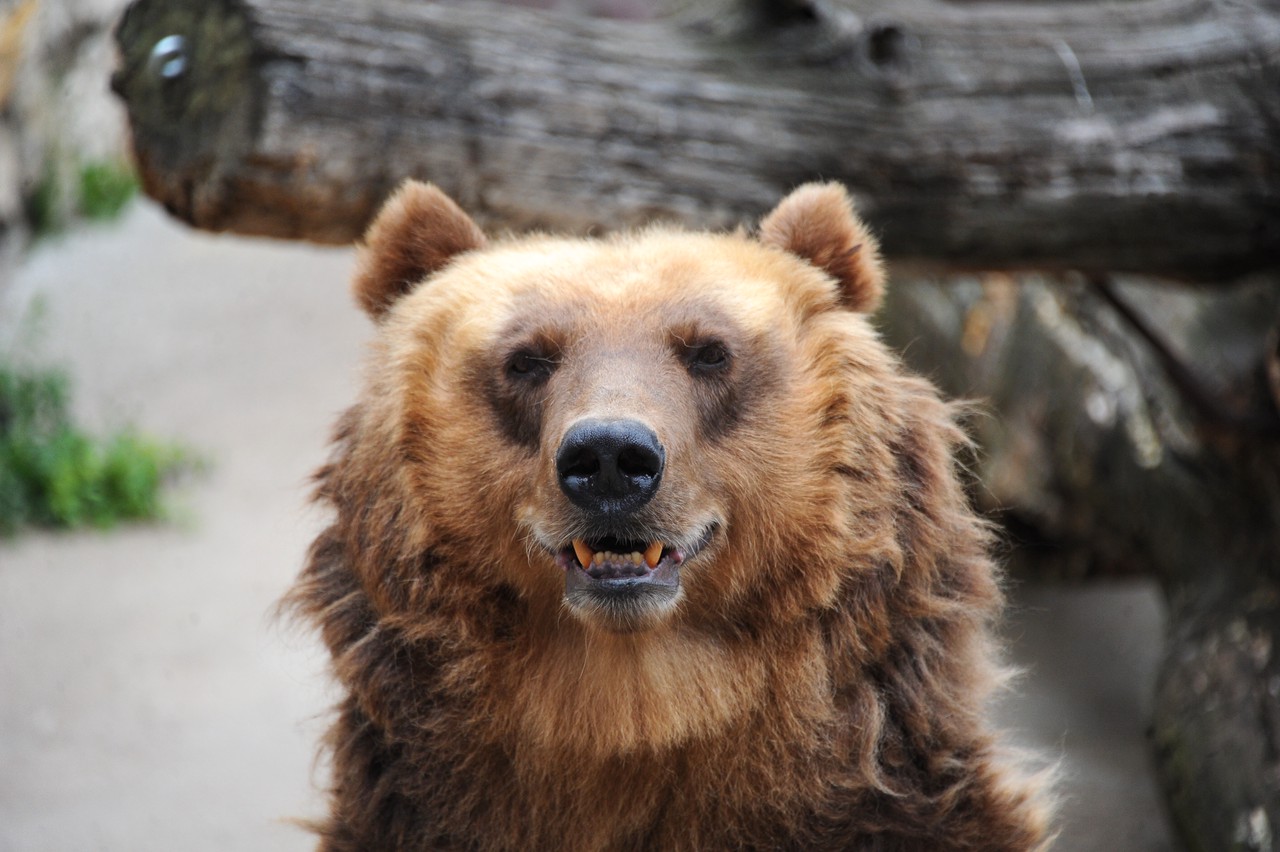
x=716, y=379
x=516, y=388
x=529, y=366
x=516, y=400
x=707, y=358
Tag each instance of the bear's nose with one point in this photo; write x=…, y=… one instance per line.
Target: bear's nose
x=610, y=466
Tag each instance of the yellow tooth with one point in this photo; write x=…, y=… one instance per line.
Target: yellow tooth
x=584, y=553
x=653, y=553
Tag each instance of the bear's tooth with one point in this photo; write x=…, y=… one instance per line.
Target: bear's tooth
x=583, y=552
x=652, y=554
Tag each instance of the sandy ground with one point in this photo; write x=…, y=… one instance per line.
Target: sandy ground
x=149, y=701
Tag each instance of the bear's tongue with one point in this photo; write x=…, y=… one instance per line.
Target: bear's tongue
x=587, y=555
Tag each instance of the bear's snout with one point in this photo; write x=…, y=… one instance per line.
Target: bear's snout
x=610, y=467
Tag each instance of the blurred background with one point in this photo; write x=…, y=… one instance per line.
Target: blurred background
x=1084, y=237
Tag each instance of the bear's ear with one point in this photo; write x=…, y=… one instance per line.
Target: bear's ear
x=415, y=234
x=817, y=222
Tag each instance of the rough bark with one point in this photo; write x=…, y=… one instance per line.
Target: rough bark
x=1217, y=721
x=1138, y=431
x=1122, y=136
x=1091, y=444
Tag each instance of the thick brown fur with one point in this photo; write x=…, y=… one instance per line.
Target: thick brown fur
x=822, y=681
x=418, y=233
x=817, y=223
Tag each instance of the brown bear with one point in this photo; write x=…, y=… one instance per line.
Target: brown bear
x=647, y=542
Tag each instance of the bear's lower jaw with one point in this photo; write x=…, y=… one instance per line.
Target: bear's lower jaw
x=624, y=604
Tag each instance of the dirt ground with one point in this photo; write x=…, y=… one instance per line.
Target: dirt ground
x=148, y=698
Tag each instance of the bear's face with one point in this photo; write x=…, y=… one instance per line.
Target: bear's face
x=632, y=419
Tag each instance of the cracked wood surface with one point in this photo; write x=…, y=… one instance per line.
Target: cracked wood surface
x=1138, y=136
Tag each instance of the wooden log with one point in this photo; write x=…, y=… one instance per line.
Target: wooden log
x=1106, y=464
x=1121, y=136
x=1093, y=444
x=1217, y=717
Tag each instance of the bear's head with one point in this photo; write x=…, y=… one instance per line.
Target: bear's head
x=649, y=429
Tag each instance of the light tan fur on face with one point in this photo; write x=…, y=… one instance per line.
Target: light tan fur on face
x=821, y=680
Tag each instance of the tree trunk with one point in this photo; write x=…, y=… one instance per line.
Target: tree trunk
x=1217, y=723
x=1126, y=451
x=1056, y=135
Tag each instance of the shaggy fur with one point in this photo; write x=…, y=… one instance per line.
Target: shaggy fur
x=820, y=681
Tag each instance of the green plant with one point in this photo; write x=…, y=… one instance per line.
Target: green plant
x=52, y=474
x=105, y=188
x=42, y=207
x=97, y=190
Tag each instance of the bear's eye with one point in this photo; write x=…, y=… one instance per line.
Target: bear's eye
x=524, y=365
x=709, y=357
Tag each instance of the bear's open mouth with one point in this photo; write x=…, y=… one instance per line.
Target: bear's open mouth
x=612, y=558
x=625, y=583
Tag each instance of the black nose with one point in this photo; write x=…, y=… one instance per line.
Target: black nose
x=610, y=466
